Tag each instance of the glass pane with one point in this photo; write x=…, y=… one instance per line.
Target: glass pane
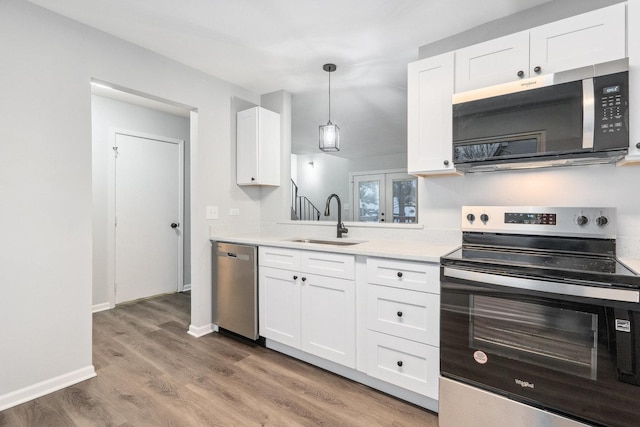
x=555, y=338
x=369, y=201
x=405, y=207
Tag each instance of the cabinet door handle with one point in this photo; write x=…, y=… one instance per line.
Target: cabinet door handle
x=304, y=279
x=446, y=162
x=399, y=363
x=253, y=179
x=399, y=314
x=520, y=73
x=399, y=274
x=537, y=69
x=295, y=277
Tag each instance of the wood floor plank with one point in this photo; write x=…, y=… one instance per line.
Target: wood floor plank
x=152, y=373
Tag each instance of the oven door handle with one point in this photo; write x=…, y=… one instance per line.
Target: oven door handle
x=581, y=291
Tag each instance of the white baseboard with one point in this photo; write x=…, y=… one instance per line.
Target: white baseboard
x=186, y=288
x=101, y=307
x=34, y=391
x=200, y=331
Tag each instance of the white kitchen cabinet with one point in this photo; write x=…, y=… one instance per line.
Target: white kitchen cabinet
x=307, y=301
x=492, y=62
x=403, y=324
x=279, y=309
x=406, y=314
x=429, y=131
x=408, y=364
x=582, y=40
x=258, y=147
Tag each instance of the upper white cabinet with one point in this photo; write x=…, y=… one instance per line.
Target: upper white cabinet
x=492, y=62
x=258, y=147
x=586, y=39
x=429, y=132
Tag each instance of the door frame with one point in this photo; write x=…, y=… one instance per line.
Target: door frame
x=111, y=206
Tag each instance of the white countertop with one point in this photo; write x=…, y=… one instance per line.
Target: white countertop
x=399, y=249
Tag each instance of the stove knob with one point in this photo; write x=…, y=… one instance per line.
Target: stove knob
x=582, y=220
x=602, y=221
x=471, y=217
x=484, y=217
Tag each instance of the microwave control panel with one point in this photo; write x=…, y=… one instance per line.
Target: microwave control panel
x=611, y=111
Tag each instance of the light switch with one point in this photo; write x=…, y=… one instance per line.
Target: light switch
x=234, y=211
x=212, y=212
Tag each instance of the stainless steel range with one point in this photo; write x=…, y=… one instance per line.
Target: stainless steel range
x=540, y=323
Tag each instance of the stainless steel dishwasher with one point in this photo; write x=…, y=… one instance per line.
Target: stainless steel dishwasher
x=235, y=288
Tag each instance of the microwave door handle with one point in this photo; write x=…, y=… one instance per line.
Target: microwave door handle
x=588, y=113
x=571, y=289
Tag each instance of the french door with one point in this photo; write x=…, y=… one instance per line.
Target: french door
x=385, y=197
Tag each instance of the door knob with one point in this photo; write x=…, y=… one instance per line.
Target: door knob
x=174, y=225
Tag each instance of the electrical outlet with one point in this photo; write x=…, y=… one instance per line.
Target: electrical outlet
x=234, y=212
x=212, y=212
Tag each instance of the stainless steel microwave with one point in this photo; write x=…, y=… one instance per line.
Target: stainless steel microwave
x=569, y=118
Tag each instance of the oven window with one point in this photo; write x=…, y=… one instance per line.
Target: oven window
x=552, y=337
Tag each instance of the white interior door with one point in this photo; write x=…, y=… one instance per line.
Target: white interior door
x=148, y=215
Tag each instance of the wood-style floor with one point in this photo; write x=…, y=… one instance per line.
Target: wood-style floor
x=152, y=373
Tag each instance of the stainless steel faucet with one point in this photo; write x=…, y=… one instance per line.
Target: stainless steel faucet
x=341, y=228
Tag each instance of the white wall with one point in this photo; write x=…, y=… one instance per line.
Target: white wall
x=45, y=186
x=110, y=114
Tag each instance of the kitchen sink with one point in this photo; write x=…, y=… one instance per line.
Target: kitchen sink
x=328, y=242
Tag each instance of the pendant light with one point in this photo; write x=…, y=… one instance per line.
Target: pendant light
x=329, y=133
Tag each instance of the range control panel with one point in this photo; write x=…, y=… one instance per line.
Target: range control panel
x=539, y=220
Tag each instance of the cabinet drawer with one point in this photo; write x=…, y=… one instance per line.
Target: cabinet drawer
x=405, y=363
x=288, y=259
x=415, y=276
x=328, y=264
x=407, y=314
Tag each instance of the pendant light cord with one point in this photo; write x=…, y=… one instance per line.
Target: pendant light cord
x=329, y=96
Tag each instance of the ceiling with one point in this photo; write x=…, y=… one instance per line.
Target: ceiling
x=268, y=45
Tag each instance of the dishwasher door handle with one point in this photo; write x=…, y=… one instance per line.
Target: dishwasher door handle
x=233, y=255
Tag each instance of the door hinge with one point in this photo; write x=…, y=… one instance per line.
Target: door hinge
x=115, y=150
x=115, y=221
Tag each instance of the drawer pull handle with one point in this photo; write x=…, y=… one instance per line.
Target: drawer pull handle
x=400, y=363
x=399, y=274
x=295, y=277
x=304, y=279
x=399, y=314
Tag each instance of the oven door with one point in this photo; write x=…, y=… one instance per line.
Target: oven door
x=555, y=351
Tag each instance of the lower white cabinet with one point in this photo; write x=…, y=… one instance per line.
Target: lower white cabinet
x=403, y=324
x=404, y=313
x=279, y=305
x=307, y=301
x=405, y=363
